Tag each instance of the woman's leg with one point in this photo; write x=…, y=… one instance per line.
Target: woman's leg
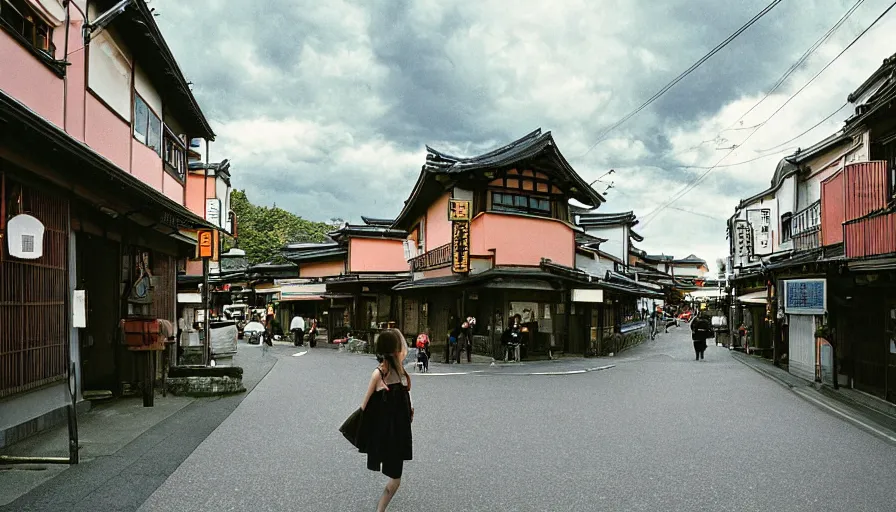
x=388, y=494
x=697, y=349
x=392, y=469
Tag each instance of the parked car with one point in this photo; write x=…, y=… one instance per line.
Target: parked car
x=255, y=333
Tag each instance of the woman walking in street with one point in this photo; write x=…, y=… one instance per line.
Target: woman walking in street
x=387, y=414
x=700, y=331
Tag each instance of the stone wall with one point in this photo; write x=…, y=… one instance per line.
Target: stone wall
x=619, y=342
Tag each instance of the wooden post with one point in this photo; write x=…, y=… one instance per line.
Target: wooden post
x=205, y=305
x=149, y=378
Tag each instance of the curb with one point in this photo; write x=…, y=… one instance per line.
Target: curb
x=876, y=431
x=484, y=373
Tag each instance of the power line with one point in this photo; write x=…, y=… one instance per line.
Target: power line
x=814, y=126
x=781, y=81
x=803, y=58
x=696, y=213
x=691, y=186
x=736, y=163
x=685, y=73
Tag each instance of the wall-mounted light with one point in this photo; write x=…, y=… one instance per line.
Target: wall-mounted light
x=109, y=211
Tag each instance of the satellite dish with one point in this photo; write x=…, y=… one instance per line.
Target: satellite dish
x=26, y=237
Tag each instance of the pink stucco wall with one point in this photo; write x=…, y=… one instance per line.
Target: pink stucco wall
x=146, y=165
x=172, y=188
x=376, y=255
x=108, y=134
x=322, y=269
x=194, y=267
x=438, y=228
x=519, y=240
x=28, y=80
x=75, y=108
x=195, y=197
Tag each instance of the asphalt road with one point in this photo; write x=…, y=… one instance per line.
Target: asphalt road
x=659, y=431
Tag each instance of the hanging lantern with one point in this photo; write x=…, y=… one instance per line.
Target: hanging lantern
x=26, y=237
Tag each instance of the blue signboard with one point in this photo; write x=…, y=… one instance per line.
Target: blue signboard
x=805, y=296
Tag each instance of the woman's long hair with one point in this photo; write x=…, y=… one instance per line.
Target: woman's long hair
x=387, y=344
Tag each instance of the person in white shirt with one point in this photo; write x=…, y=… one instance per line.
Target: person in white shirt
x=297, y=326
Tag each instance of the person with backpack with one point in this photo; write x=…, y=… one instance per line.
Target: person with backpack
x=701, y=330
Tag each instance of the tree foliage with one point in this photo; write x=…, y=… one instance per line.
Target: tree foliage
x=263, y=231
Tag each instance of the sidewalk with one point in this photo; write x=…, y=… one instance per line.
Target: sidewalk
x=864, y=411
x=126, y=450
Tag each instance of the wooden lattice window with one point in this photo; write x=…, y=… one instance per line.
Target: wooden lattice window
x=33, y=319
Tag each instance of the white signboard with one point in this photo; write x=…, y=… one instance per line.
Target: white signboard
x=587, y=295
x=79, y=309
x=213, y=211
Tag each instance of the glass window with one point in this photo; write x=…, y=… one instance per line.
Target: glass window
x=141, y=113
x=504, y=202
x=154, y=139
x=19, y=16
x=175, y=155
x=147, y=126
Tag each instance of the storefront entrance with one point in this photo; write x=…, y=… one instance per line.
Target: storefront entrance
x=98, y=271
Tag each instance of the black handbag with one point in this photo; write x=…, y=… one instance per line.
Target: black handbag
x=351, y=428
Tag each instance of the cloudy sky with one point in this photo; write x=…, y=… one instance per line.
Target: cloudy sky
x=325, y=107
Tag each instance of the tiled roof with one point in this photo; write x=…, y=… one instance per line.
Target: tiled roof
x=532, y=145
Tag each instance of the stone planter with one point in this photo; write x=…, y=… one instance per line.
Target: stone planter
x=205, y=381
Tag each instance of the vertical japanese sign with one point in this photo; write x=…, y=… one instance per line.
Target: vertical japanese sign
x=460, y=247
x=459, y=215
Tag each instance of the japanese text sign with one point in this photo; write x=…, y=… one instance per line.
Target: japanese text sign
x=460, y=247
x=459, y=210
x=206, y=243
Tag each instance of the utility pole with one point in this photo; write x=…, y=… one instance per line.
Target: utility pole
x=206, y=251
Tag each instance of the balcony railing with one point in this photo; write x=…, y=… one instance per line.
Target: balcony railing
x=806, y=227
x=436, y=258
x=806, y=220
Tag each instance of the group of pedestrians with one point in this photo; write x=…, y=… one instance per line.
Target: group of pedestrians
x=297, y=327
x=460, y=339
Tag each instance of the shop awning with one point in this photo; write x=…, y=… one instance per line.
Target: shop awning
x=706, y=293
x=289, y=297
x=759, y=297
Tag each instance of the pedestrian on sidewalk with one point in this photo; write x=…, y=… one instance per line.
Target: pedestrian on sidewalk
x=423, y=351
x=297, y=326
x=701, y=330
x=387, y=414
x=454, y=345
x=312, y=333
x=471, y=324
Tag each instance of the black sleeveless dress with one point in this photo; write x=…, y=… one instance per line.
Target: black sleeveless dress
x=386, y=426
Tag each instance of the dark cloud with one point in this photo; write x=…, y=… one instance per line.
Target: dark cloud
x=325, y=107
